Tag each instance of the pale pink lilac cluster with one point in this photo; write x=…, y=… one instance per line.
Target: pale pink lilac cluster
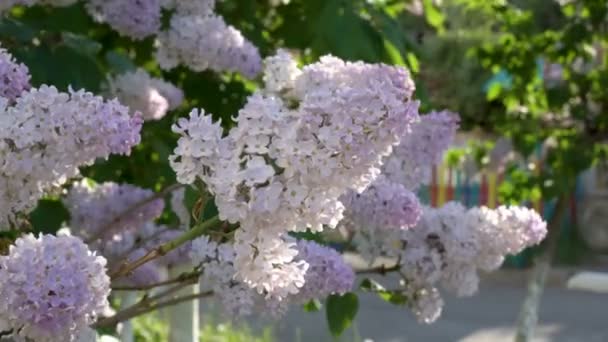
x=102, y=210
x=327, y=274
x=136, y=19
x=449, y=245
x=384, y=205
x=152, y=97
x=291, y=156
x=505, y=230
x=217, y=262
x=52, y=288
x=14, y=77
x=412, y=161
x=47, y=135
x=206, y=42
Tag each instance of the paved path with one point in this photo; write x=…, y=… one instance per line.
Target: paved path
x=566, y=316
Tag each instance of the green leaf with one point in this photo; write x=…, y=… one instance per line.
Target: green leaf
x=119, y=62
x=48, y=216
x=393, y=297
x=313, y=305
x=341, y=310
x=433, y=16
x=494, y=91
x=413, y=63
x=17, y=31
x=81, y=44
x=393, y=53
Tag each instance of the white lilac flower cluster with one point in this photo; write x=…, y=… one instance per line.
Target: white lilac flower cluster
x=47, y=134
x=153, y=97
x=449, y=245
x=327, y=274
x=14, y=77
x=412, y=161
x=137, y=19
x=201, y=40
x=52, y=288
x=295, y=150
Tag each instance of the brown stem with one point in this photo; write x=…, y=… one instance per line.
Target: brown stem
x=182, y=277
x=167, y=247
x=176, y=301
x=382, y=269
x=141, y=307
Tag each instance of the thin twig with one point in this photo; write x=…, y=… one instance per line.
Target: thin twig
x=167, y=247
x=175, y=301
x=142, y=306
x=105, y=229
x=182, y=277
x=382, y=269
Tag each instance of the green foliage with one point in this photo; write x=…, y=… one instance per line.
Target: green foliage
x=393, y=297
x=314, y=305
x=567, y=114
x=151, y=328
x=341, y=311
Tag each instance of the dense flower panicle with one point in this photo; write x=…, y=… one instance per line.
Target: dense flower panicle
x=52, y=287
x=46, y=135
x=291, y=156
x=384, y=205
x=142, y=93
x=216, y=261
x=280, y=72
x=206, y=42
x=96, y=207
x=327, y=272
x=427, y=305
x=412, y=160
x=14, y=77
x=136, y=19
x=448, y=246
x=198, y=146
x=505, y=230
